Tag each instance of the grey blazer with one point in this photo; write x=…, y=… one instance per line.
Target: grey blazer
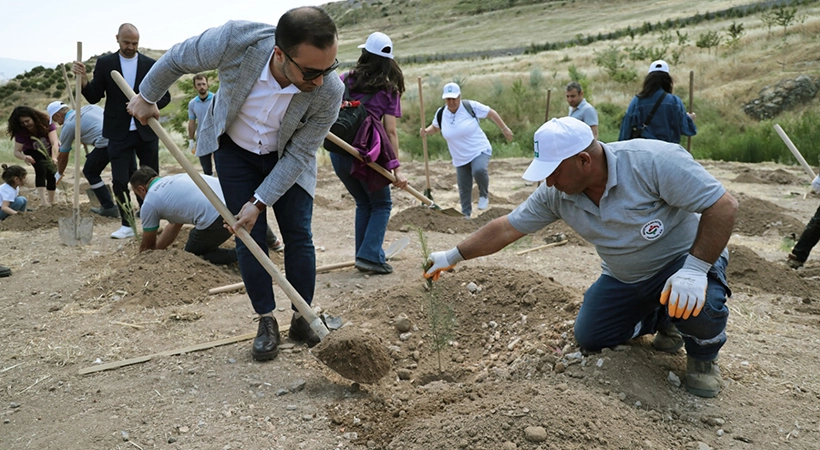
x=239, y=50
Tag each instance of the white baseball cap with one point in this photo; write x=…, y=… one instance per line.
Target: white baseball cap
x=556, y=141
x=54, y=108
x=451, y=90
x=659, y=66
x=379, y=44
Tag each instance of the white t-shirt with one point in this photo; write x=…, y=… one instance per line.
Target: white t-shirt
x=129, y=72
x=8, y=193
x=178, y=199
x=464, y=136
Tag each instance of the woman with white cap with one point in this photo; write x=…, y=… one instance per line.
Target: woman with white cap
x=376, y=81
x=468, y=145
x=669, y=120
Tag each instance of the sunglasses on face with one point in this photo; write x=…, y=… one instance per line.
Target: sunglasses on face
x=312, y=74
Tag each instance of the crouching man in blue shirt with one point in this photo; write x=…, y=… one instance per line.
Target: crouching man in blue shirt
x=659, y=222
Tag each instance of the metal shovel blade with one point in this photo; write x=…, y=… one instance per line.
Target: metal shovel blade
x=394, y=248
x=76, y=230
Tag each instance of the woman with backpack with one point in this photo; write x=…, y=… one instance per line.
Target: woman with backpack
x=656, y=113
x=468, y=145
x=377, y=81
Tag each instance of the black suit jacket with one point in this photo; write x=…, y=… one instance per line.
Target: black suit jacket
x=117, y=121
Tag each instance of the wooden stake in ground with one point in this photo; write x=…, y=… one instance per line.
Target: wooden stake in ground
x=429, y=191
x=363, y=355
x=547, y=114
x=691, y=106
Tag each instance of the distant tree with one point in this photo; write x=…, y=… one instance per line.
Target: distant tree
x=784, y=17
x=708, y=40
x=735, y=31
x=769, y=19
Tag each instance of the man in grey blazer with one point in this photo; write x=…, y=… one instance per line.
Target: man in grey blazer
x=278, y=96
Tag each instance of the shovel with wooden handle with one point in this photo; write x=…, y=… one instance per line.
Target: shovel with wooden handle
x=75, y=230
x=385, y=173
x=356, y=357
x=429, y=191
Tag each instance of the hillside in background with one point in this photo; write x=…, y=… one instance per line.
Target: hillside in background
x=512, y=54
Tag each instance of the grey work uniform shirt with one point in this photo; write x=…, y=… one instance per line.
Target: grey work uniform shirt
x=647, y=214
x=91, y=122
x=585, y=113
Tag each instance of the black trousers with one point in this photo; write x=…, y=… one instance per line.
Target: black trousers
x=123, y=154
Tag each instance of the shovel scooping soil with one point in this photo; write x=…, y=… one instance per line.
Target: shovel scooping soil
x=357, y=357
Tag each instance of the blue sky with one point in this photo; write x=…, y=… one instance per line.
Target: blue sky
x=48, y=30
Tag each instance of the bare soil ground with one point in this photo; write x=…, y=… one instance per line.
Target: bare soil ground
x=509, y=377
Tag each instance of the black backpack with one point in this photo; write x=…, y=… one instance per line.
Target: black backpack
x=351, y=117
x=467, y=106
x=637, y=131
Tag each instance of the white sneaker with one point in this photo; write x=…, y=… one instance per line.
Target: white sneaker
x=123, y=233
x=483, y=203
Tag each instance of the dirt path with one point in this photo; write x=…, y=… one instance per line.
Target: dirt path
x=509, y=376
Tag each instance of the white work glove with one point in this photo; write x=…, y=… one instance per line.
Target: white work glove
x=815, y=184
x=57, y=177
x=192, y=146
x=438, y=262
x=685, y=291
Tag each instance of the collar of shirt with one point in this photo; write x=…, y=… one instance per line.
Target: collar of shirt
x=199, y=99
x=256, y=128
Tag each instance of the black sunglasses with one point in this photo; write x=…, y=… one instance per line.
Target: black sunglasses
x=312, y=74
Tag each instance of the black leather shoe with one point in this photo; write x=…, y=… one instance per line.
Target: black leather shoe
x=368, y=266
x=266, y=345
x=300, y=331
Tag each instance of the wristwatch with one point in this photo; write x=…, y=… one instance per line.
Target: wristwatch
x=258, y=203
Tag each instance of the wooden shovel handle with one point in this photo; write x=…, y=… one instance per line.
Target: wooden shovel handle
x=424, y=135
x=554, y=244
x=384, y=172
x=315, y=323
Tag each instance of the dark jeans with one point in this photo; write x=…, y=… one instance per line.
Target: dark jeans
x=43, y=177
x=372, y=210
x=205, y=243
x=240, y=173
x=123, y=155
x=808, y=239
x=614, y=312
x=95, y=163
x=207, y=165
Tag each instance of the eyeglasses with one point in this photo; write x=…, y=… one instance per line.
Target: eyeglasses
x=312, y=74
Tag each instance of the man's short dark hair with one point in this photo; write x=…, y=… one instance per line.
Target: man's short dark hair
x=576, y=86
x=305, y=25
x=143, y=176
x=200, y=76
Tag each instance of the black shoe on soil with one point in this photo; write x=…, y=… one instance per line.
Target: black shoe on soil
x=368, y=266
x=266, y=345
x=106, y=212
x=300, y=331
x=793, y=262
x=5, y=272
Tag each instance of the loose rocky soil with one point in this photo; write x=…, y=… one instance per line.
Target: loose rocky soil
x=499, y=369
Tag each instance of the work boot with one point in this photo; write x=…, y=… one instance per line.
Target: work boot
x=300, y=331
x=5, y=271
x=702, y=377
x=106, y=212
x=266, y=345
x=668, y=339
x=793, y=262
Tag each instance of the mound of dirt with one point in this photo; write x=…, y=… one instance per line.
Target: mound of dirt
x=777, y=176
x=758, y=217
x=47, y=217
x=760, y=275
x=157, y=278
x=430, y=220
x=508, y=326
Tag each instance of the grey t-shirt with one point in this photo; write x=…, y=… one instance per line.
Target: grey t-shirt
x=647, y=215
x=177, y=199
x=91, y=121
x=585, y=113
